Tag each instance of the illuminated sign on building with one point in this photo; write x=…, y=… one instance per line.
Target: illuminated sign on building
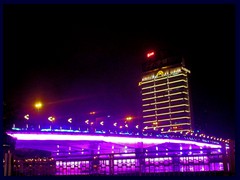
x=150, y=54
x=159, y=73
x=162, y=73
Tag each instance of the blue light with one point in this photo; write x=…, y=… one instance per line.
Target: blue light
x=17, y=129
x=46, y=129
x=99, y=132
x=60, y=130
x=63, y=130
x=126, y=133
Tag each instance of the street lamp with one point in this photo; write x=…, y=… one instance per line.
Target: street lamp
x=51, y=119
x=92, y=113
x=38, y=105
x=129, y=118
x=70, y=121
x=27, y=118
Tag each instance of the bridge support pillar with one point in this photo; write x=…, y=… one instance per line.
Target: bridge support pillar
x=8, y=164
x=140, y=157
x=224, y=157
x=231, y=156
x=111, y=164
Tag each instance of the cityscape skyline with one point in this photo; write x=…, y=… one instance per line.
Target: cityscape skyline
x=75, y=59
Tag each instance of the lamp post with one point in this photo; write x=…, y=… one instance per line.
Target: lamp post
x=70, y=121
x=92, y=122
x=128, y=119
x=27, y=118
x=51, y=119
x=38, y=105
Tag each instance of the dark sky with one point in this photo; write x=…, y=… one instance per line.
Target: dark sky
x=82, y=58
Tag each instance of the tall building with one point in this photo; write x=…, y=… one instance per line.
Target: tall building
x=165, y=94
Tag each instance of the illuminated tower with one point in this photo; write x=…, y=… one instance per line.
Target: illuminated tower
x=165, y=94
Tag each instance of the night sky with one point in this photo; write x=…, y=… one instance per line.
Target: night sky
x=82, y=58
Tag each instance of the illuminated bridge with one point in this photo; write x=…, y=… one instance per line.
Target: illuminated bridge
x=73, y=152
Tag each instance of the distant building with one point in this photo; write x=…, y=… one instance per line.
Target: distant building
x=33, y=162
x=165, y=94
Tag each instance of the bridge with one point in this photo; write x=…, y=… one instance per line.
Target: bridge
x=81, y=152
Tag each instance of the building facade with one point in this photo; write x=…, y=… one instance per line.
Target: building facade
x=165, y=95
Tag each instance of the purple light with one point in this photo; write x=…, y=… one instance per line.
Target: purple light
x=113, y=139
x=125, y=140
x=126, y=155
x=56, y=137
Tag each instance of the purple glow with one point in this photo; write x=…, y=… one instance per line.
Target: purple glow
x=125, y=155
x=113, y=139
x=58, y=137
x=126, y=140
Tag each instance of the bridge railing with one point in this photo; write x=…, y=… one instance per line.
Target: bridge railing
x=138, y=163
x=141, y=164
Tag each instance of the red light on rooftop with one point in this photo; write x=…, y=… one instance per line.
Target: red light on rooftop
x=150, y=54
